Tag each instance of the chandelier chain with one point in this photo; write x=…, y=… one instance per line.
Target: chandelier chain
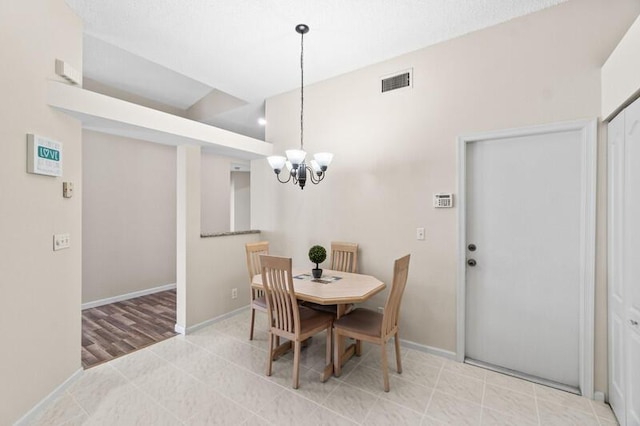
x=302, y=91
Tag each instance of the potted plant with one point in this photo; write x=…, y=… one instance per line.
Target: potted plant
x=317, y=254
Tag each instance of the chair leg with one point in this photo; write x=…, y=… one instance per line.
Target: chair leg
x=385, y=366
x=329, y=347
x=253, y=319
x=337, y=368
x=398, y=356
x=358, y=347
x=296, y=364
x=270, y=363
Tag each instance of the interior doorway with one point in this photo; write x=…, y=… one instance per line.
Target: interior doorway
x=117, y=329
x=526, y=253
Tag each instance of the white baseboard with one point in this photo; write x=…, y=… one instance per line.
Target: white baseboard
x=598, y=396
x=429, y=349
x=187, y=330
x=31, y=415
x=127, y=296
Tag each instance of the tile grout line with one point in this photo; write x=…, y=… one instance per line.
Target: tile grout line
x=535, y=400
x=484, y=390
x=435, y=386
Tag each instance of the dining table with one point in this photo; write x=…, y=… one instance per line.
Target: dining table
x=332, y=288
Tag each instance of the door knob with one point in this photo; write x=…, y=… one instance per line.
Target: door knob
x=471, y=262
x=633, y=322
x=472, y=247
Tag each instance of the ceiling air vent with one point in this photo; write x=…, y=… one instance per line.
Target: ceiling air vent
x=397, y=81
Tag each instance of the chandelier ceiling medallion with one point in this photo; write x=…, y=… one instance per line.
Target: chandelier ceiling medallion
x=299, y=170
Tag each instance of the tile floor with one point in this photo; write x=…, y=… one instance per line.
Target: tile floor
x=216, y=376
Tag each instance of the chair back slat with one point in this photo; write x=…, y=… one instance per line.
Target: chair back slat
x=282, y=307
x=254, y=250
x=391, y=315
x=344, y=257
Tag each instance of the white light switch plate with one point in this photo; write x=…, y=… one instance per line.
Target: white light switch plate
x=419, y=233
x=61, y=241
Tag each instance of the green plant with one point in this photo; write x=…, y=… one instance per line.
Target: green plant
x=317, y=254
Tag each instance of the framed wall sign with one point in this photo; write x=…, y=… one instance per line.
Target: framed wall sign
x=44, y=156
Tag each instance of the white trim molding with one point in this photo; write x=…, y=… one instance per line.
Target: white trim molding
x=38, y=409
x=188, y=330
x=428, y=349
x=127, y=296
x=588, y=129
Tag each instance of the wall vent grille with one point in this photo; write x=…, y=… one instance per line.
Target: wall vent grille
x=397, y=81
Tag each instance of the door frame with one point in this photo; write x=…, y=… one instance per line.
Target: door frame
x=588, y=154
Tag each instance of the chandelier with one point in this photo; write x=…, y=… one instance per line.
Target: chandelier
x=299, y=170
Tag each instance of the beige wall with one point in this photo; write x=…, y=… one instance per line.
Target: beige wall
x=393, y=151
x=40, y=288
x=207, y=268
x=621, y=73
x=96, y=86
x=241, y=200
x=216, y=193
x=129, y=215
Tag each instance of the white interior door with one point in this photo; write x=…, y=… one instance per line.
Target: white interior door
x=632, y=260
x=527, y=204
x=624, y=265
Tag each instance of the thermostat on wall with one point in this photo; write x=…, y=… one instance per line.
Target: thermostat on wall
x=442, y=200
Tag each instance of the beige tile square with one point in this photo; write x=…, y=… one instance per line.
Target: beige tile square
x=450, y=410
x=565, y=399
x=495, y=418
x=174, y=348
x=288, y=408
x=419, y=370
x=509, y=382
x=386, y=413
x=558, y=415
x=465, y=387
x=256, y=420
x=512, y=403
x=464, y=369
x=64, y=409
x=603, y=411
x=366, y=378
x=218, y=410
x=326, y=417
x=408, y=394
x=246, y=388
x=350, y=402
x=178, y=392
x=97, y=384
x=130, y=408
x=429, y=421
x=424, y=358
x=204, y=366
x=138, y=364
x=373, y=358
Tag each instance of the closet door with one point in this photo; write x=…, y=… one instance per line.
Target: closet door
x=624, y=267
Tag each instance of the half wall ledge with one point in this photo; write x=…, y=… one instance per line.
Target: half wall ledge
x=226, y=234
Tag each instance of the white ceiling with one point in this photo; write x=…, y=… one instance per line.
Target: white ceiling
x=176, y=51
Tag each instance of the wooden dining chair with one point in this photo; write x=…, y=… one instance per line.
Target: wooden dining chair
x=374, y=327
x=344, y=258
x=286, y=318
x=258, y=301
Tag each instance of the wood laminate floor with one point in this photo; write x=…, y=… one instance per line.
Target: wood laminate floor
x=113, y=330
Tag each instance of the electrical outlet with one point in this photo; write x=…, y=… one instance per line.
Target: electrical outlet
x=419, y=233
x=61, y=241
x=234, y=293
